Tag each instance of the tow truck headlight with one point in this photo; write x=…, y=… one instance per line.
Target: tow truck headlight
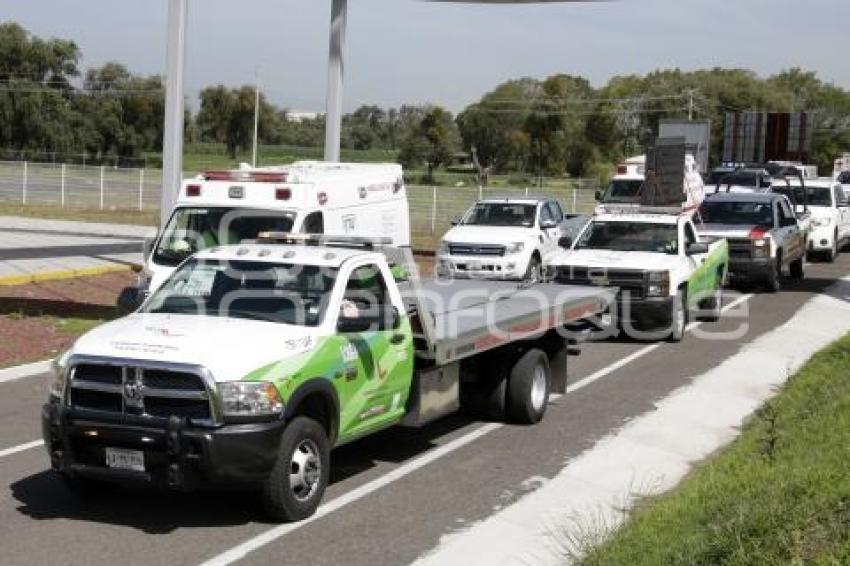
x=821, y=221
x=658, y=284
x=514, y=248
x=250, y=399
x=58, y=377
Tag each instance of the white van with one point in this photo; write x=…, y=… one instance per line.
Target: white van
x=225, y=207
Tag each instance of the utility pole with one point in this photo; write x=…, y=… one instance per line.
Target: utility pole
x=336, y=72
x=256, y=116
x=172, y=143
x=690, y=105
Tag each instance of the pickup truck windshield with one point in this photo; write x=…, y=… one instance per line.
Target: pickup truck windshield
x=743, y=213
x=817, y=196
x=621, y=190
x=193, y=229
x=273, y=292
x=630, y=237
x=501, y=214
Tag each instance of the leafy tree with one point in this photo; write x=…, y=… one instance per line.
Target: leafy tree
x=432, y=141
x=227, y=116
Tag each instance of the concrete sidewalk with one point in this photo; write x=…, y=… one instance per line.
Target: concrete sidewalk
x=35, y=249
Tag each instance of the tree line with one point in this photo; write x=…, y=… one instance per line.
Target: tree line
x=560, y=125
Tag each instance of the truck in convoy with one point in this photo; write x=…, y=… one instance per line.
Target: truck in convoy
x=225, y=207
x=502, y=238
x=249, y=363
x=663, y=268
x=827, y=204
x=764, y=235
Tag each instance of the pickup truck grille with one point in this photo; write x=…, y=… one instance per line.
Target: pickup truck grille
x=139, y=391
x=630, y=281
x=740, y=248
x=477, y=249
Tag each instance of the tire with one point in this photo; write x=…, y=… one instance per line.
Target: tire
x=796, y=269
x=297, y=483
x=773, y=282
x=678, y=317
x=832, y=253
x=534, y=272
x=528, y=388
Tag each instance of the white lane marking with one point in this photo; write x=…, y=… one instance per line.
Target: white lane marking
x=597, y=375
x=240, y=551
x=26, y=370
x=20, y=448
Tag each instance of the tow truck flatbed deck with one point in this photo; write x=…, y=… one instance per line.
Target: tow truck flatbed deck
x=470, y=316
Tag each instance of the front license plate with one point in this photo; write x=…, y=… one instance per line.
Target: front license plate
x=122, y=459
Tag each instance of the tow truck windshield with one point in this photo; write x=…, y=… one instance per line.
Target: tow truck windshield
x=630, y=237
x=738, y=213
x=501, y=214
x=194, y=229
x=272, y=292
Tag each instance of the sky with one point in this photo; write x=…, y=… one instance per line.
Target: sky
x=414, y=51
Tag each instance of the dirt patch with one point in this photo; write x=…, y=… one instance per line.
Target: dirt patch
x=39, y=320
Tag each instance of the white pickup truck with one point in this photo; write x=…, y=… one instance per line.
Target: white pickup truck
x=827, y=205
x=764, y=234
x=663, y=268
x=507, y=238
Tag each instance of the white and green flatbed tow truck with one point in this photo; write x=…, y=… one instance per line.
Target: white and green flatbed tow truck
x=251, y=362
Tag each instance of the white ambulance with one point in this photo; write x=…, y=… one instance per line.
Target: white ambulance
x=218, y=208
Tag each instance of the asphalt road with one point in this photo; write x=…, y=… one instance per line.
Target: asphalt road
x=393, y=495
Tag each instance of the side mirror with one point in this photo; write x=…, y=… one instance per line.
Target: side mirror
x=376, y=319
x=455, y=221
x=547, y=224
x=598, y=196
x=129, y=299
x=565, y=242
x=697, y=248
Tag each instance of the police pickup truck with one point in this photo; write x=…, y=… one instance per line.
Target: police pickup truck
x=250, y=362
x=763, y=232
x=663, y=268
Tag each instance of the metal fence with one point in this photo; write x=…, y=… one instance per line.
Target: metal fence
x=111, y=188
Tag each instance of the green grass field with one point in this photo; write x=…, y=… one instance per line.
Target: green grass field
x=780, y=494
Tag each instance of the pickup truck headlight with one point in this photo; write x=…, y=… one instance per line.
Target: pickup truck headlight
x=658, y=284
x=250, y=399
x=58, y=377
x=761, y=247
x=443, y=248
x=514, y=248
x=821, y=221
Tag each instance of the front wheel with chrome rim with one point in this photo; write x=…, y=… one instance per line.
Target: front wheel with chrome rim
x=295, y=487
x=528, y=388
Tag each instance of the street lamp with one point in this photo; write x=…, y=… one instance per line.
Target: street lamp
x=172, y=147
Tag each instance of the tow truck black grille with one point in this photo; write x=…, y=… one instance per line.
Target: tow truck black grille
x=630, y=281
x=476, y=249
x=139, y=391
x=740, y=248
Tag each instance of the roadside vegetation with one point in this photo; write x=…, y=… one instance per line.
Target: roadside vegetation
x=780, y=494
x=559, y=126
x=145, y=218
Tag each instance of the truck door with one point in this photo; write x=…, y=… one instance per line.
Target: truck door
x=551, y=220
x=791, y=237
x=378, y=360
x=702, y=278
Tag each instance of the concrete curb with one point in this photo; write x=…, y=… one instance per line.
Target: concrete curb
x=23, y=371
x=9, y=280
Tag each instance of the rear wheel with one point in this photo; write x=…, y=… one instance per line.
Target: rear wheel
x=796, y=269
x=528, y=388
x=678, y=317
x=297, y=483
